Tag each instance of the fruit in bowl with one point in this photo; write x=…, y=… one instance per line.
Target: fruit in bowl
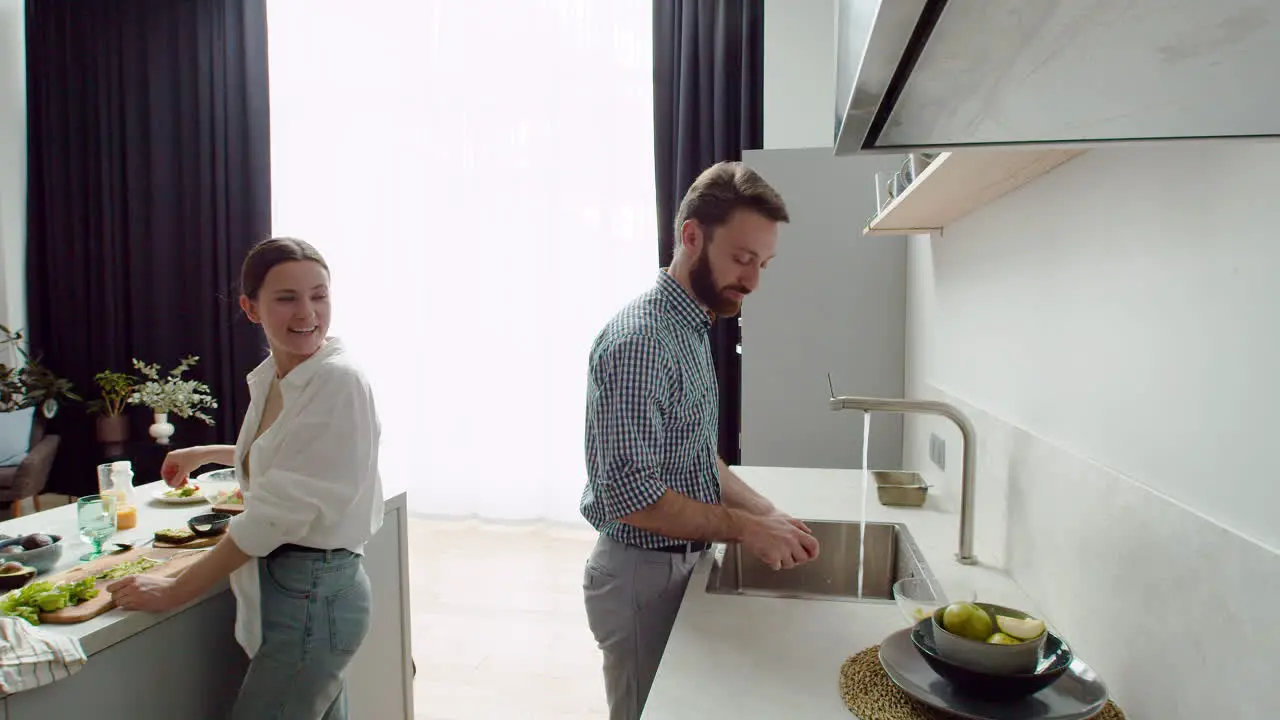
x=36, y=540
x=990, y=638
x=1014, y=630
x=967, y=620
x=38, y=550
x=972, y=621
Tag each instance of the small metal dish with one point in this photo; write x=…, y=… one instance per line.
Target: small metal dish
x=209, y=524
x=897, y=487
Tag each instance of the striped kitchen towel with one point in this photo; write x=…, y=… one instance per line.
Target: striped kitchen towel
x=30, y=657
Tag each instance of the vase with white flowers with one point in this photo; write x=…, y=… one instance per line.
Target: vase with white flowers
x=171, y=394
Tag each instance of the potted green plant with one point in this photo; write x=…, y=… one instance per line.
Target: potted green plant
x=30, y=384
x=171, y=394
x=112, y=428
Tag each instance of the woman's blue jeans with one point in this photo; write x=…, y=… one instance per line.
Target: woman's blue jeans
x=315, y=614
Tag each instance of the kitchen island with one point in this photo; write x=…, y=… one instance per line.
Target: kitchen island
x=186, y=663
x=739, y=656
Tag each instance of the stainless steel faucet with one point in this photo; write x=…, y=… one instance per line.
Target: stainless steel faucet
x=931, y=407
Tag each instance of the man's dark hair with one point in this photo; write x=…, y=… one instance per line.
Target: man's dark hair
x=722, y=189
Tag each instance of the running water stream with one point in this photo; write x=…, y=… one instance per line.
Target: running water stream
x=866, y=482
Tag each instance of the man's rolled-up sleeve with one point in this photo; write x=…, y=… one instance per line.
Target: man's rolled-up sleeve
x=319, y=468
x=630, y=387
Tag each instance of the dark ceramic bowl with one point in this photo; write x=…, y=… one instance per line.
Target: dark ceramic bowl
x=209, y=524
x=1055, y=658
x=42, y=559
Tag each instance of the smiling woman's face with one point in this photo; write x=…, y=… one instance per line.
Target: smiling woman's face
x=293, y=309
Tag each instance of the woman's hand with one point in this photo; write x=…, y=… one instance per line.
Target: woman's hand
x=144, y=592
x=179, y=464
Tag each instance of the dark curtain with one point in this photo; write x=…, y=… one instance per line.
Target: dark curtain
x=148, y=181
x=708, y=89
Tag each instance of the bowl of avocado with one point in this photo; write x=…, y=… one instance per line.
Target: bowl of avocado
x=38, y=550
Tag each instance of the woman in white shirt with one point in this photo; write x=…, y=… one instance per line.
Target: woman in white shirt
x=307, y=462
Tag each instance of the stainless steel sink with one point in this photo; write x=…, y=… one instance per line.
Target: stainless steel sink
x=891, y=555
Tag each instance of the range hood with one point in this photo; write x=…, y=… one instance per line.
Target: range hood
x=939, y=74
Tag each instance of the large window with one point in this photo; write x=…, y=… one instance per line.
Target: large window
x=479, y=175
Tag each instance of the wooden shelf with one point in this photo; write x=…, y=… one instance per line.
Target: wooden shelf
x=957, y=183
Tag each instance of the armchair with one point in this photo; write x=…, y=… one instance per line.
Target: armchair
x=28, y=478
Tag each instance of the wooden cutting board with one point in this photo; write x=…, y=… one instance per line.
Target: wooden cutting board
x=103, y=602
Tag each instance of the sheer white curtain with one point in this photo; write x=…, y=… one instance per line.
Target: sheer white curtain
x=479, y=175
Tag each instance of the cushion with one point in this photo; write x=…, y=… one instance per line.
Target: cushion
x=15, y=435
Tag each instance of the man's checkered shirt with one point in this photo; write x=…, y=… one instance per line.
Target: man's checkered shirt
x=652, y=411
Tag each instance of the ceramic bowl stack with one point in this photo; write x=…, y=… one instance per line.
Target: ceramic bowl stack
x=1019, y=670
x=985, y=669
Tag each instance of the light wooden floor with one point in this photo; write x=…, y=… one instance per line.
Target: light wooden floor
x=499, y=629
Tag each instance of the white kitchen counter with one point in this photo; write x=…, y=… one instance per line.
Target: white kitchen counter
x=754, y=657
x=115, y=624
x=188, y=658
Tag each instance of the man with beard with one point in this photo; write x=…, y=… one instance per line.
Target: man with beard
x=657, y=489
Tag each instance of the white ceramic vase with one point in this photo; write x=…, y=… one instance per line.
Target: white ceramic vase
x=162, y=429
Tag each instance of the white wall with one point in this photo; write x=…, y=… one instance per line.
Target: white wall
x=1112, y=329
x=824, y=267
x=13, y=165
x=799, y=73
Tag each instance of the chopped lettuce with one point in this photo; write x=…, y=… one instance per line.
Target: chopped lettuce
x=43, y=596
x=81, y=591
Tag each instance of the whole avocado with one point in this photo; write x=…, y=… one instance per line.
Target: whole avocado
x=36, y=540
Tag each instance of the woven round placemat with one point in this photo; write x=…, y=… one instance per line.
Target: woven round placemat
x=871, y=695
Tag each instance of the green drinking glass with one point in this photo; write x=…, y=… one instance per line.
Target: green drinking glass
x=96, y=516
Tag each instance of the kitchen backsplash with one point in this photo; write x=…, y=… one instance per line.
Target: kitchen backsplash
x=1174, y=611
x=1110, y=327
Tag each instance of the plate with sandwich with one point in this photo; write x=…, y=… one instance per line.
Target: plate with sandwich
x=188, y=494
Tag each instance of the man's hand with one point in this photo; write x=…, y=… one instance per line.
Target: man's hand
x=778, y=540
x=793, y=521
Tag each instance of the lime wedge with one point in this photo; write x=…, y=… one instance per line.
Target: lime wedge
x=1022, y=629
x=1002, y=639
